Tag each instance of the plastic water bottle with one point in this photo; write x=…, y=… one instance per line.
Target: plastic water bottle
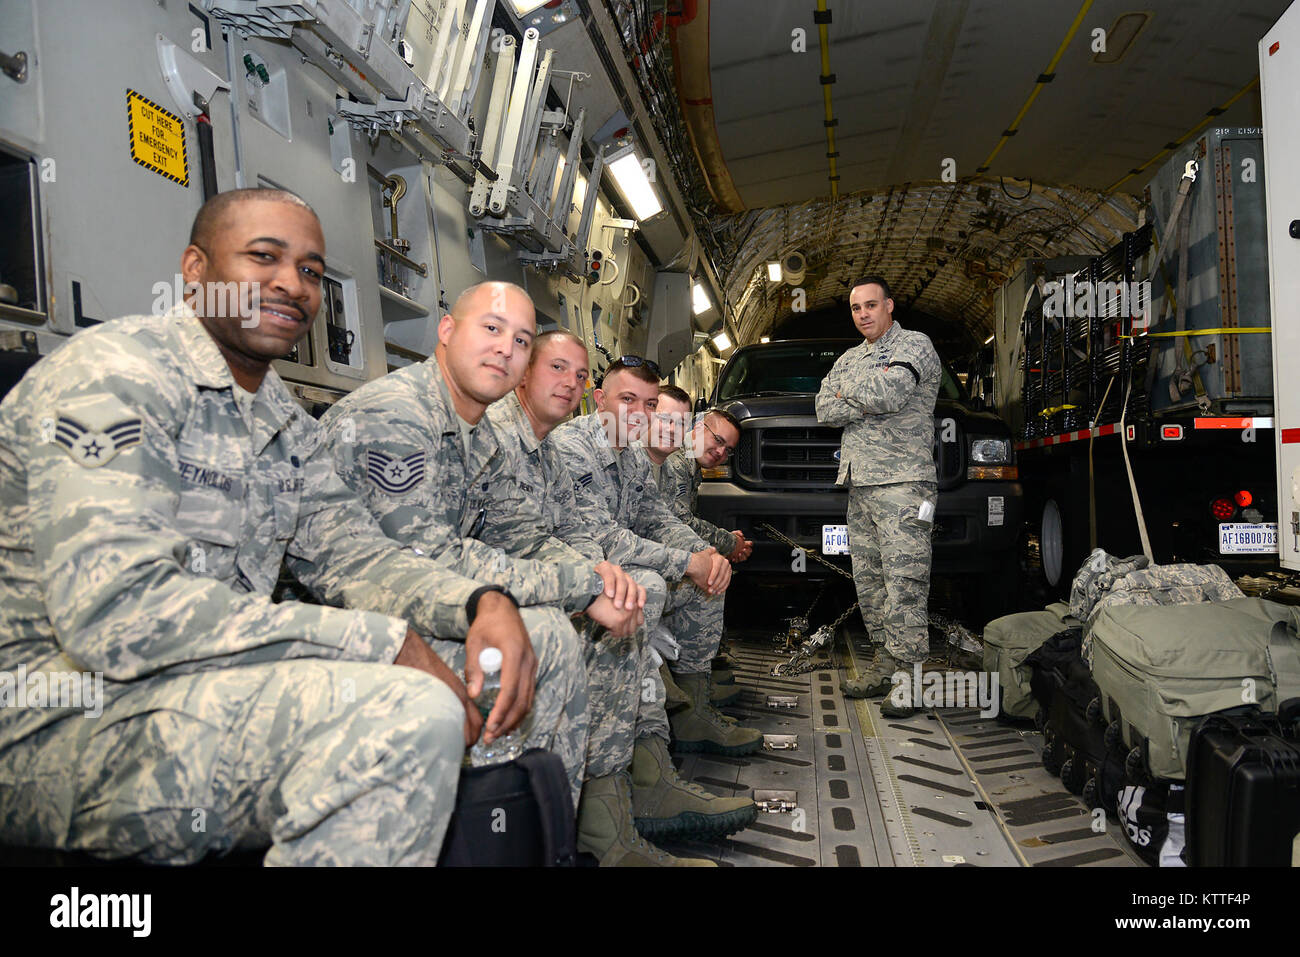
x=489, y=662
x=505, y=748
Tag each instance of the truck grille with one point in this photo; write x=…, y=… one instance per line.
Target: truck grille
x=949, y=457
x=804, y=456
x=791, y=457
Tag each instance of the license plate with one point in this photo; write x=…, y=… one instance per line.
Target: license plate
x=1243, y=538
x=835, y=539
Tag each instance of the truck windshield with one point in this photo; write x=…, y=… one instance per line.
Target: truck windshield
x=796, y=368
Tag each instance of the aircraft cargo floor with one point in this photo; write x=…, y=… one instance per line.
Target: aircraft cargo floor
x=945, y=787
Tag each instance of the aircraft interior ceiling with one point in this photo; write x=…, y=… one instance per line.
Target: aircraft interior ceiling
x=953, y=140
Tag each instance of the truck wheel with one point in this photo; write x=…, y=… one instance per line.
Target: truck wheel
x=1051, y=543
x=1093, y=713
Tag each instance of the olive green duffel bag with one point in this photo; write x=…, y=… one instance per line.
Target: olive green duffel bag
x=1009, y=640
x=1161, y=668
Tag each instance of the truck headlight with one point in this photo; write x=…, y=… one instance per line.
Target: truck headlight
x=990, y=452
x=990, y=459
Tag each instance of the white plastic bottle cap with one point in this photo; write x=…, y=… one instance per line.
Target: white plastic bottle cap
x=489, y=659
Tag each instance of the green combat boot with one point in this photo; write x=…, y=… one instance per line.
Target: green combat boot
x=675, y=699
x=723, y=661
x=722, y=695
x=702, y=727
x=605, y=827
x=898, y=702
x=876, y=680
x=666, y=806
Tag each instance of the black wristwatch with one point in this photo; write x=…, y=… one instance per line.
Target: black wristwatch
x=471, y=606
x=597, y=587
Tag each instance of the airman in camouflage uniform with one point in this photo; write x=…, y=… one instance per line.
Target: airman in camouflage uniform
x=541, y=496
x=681, y=487
x=709, y=444
x=629, y=727
x=154, y=474
x=675, y=459
x=427, y=465
x=883, y=393
x=635, y=527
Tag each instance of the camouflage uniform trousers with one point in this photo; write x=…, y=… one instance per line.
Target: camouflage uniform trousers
x=624, y=689
x=890, y=549
x=558, y=721
x=651, y=718
x=695, y=620
x=329, y=763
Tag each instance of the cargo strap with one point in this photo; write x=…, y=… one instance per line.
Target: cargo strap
x=1184, y=187
x=1132, y=482
x=1191, y=374
x=1185, y=373
x=1092, y=475
x=1185, y=376
x=1251, y=330
x=1284, y=659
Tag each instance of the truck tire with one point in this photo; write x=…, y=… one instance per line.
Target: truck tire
x=1051, y=542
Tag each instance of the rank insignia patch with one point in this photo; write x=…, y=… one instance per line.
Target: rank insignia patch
x=394, y=475
x=92, y=449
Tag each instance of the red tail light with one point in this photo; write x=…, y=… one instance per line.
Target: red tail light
x=1243, y=498
x=1223, y=509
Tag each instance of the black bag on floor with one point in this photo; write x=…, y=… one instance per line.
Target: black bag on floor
x=1074, y=743
x=518, y=814
x=1144, y=819
x=1243, y=790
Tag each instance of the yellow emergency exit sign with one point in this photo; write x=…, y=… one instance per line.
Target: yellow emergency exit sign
x=157, y=138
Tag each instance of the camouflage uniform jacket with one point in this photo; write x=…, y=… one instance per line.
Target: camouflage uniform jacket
x=397, y=443
x=887, y=390
x=544, y=489
x=681, y=487
x=629, y=518
x=145, y=525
